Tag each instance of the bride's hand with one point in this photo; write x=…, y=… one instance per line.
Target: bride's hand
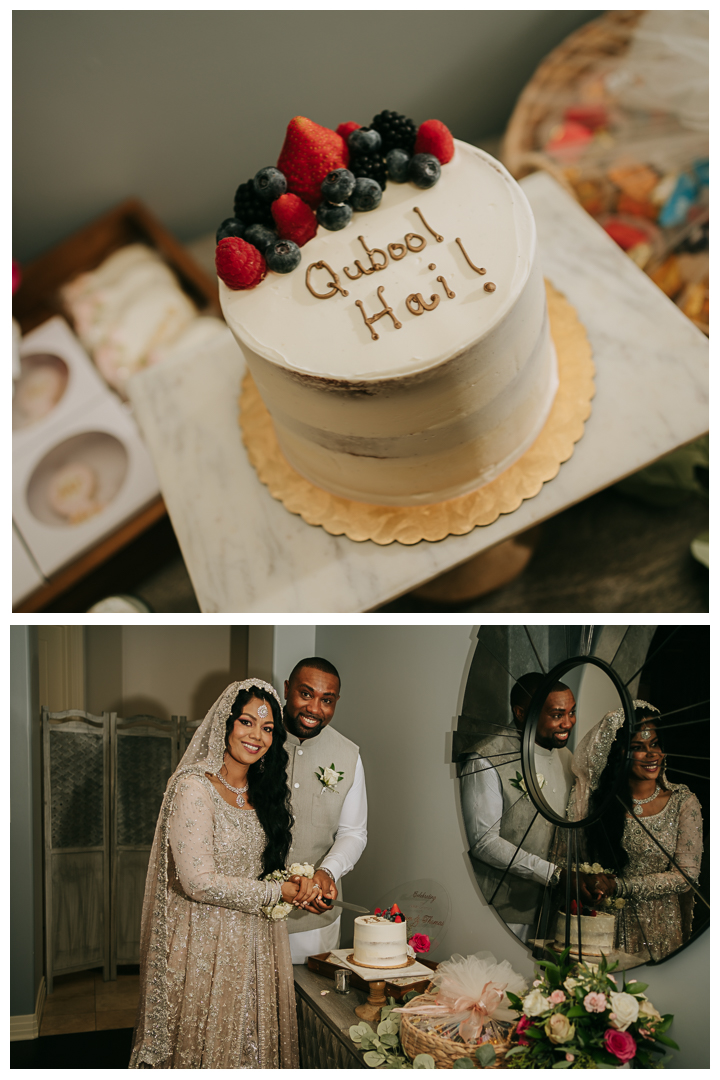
x=304, y=890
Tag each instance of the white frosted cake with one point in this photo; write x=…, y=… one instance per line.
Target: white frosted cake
x=438, y=396
x=379, y=943
x=597, y=932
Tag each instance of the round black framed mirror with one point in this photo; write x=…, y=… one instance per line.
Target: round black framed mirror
x=585, y=830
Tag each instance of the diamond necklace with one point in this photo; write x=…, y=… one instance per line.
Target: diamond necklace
x=240, y=791
x=639, y=803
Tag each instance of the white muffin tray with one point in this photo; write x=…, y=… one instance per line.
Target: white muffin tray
x=100, y=434
x=26, y=577
x=53, y=345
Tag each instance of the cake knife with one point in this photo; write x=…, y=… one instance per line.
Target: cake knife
x=350, y=907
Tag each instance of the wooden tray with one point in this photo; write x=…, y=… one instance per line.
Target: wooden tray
x=327, y=967
x=38, y=299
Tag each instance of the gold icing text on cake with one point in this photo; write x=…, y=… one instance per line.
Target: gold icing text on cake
x=378, y=260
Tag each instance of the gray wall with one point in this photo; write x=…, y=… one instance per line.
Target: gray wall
x=26, y=940
x=179, y=107
x=401, y=693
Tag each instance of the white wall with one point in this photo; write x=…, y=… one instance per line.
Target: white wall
x=402, y=688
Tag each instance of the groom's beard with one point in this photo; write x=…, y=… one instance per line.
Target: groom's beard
x=296, y=728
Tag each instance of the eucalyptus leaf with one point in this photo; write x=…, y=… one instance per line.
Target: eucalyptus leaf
x=562, y=1065
x=373, y=1059
x=410, y=995
x=369, y=1043
x=423, y=1061
x=463, y=1063
x=355, y=1033
x=486, y=1055
x=389, y=1040
x=386, y=1027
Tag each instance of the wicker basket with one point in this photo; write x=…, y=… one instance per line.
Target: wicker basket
x=445, y=1052
x=602, y=39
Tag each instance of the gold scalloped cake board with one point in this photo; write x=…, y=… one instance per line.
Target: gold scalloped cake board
x=410, y=524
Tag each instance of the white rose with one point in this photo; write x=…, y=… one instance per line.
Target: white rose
x=308, y=870
x=535, y=1003
x=281, y=910
x=571, y=983
x=330, y=777
x=297, y=868
x=626, y=1008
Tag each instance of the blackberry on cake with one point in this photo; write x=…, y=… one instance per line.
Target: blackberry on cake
x=369, y=165
x=249, y=207
x=396, y=131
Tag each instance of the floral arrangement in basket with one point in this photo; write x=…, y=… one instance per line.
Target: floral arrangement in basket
x=462, y=1022
x=576, y=1017
x=282, y=909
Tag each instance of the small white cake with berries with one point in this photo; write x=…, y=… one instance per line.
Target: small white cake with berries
x=379, y=943
x=406, y=357
x=597, y=933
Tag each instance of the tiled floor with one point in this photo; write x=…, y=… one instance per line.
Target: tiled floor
x=83, y=1002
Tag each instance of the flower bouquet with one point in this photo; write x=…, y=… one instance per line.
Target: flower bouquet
x=576, y=1017
x=282, y=909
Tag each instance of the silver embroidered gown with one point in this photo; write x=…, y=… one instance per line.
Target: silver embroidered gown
x=657, y=917
x=229, y=974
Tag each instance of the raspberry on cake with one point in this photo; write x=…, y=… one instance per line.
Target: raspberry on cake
x=239, y=265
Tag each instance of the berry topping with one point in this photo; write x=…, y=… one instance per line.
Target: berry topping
x=397, y=163
x=345, y=129
x=230, y=227
x=260, y=236
x=424, y=170
x=283, y=256
x=239, y=265
x=269, y=183
x=370, y=165
x=338, y=185
x=334, y=216
x=249, y=207
x=367, y=194
x=294, y=219
x=309, y=153
x=434, y=138
x=364, y=141
x=395, y=130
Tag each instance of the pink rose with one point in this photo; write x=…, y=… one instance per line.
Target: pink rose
x=557, y=997
x=594, y=1002
x=419, y=942
x=621, y=1044
x=569, y=1057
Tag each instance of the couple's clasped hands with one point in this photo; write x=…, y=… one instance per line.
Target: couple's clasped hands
x=310, y=894
x=593, y=887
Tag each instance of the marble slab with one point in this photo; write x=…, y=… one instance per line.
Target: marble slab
x=246, y=553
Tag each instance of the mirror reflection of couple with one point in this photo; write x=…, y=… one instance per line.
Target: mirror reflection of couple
x=259, y=789
x=516, y=865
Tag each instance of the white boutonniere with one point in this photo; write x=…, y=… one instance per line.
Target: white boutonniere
x=519, y=783
x=329, y=778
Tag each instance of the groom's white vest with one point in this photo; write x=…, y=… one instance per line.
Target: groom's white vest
x=315, y=808
x=518, y=899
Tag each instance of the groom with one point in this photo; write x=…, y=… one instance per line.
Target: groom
x=330, y=810
x=498, y=815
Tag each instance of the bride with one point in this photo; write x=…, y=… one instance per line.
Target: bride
x=216, y=982
x=654, y=857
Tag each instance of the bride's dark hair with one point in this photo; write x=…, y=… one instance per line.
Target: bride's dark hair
x=604, y=837
x=268, y=790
